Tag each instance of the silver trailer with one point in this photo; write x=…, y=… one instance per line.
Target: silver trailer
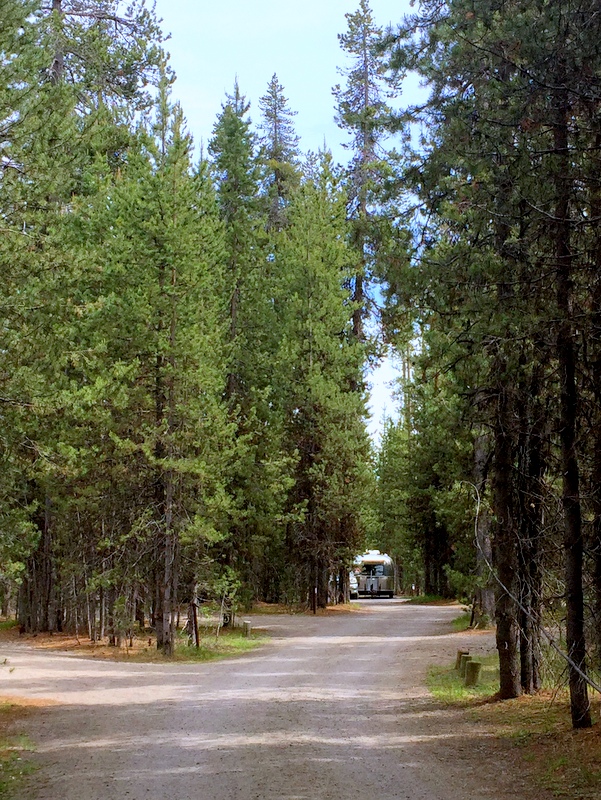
x=375, y=574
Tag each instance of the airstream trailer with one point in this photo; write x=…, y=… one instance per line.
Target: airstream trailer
x=375, y=574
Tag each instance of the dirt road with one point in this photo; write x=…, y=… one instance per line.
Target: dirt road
x=332, y=707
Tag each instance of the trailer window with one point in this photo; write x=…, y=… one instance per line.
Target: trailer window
x=373, y=570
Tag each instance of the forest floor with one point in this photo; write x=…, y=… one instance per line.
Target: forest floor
x=142, y=644
x=139, y=648
x=494, y=750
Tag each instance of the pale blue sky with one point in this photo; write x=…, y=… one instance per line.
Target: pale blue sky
x=212, y=43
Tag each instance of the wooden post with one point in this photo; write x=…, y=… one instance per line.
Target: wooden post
x=464, y=659
x=472, y=672
x=195, y=625
x=458, y=659
x=247, y=628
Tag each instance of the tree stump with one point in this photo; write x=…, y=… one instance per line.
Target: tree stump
x=472, y=672
x=247, y=628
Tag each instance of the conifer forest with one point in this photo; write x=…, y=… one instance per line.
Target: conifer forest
x=187, y=338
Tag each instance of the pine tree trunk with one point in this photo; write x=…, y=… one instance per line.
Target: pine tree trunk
x=166, y=402
x=595, y=340
x=168, y=610
x=37, y=607
x=505, y=552
x=484, y=606
x=58, y=62
x=566, y=356
x=596, y=539
x=323, y=575
x=505, y=532
x=530, y=469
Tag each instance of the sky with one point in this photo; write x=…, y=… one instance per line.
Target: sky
x=214, y=43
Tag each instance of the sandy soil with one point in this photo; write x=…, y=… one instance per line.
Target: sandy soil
x=332, y=707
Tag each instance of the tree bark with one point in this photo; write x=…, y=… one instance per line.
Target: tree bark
x=484, y=605
x=37, y=594
x=531, y=467
x=58, y=62
x=595, y=339
x=566, y=356
x=505, y=549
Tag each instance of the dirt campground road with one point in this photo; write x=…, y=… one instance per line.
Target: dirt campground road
x=331, y=707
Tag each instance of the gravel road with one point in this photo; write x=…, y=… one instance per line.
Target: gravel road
x=332, y=707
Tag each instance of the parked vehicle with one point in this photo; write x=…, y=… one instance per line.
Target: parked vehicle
x=376, y=578
x=353, y=586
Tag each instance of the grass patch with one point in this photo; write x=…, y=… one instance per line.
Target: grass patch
x=275, y=608
x=228, y=643
x=8, y=624
x=430, y=599
x=297, y=608
x=462, y=622
x=13, y=766
x=446, y=685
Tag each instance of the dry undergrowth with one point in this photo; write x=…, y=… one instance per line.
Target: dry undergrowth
x=79, y=644
x=559, y=759
x=282, y=608
x=140, y=647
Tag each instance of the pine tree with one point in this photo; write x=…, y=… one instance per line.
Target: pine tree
x=41, y=156
x=108, y=51
x=236, y=175
x=325, y=413
x=279, y=151
x=362, y=112
x=259, y=481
